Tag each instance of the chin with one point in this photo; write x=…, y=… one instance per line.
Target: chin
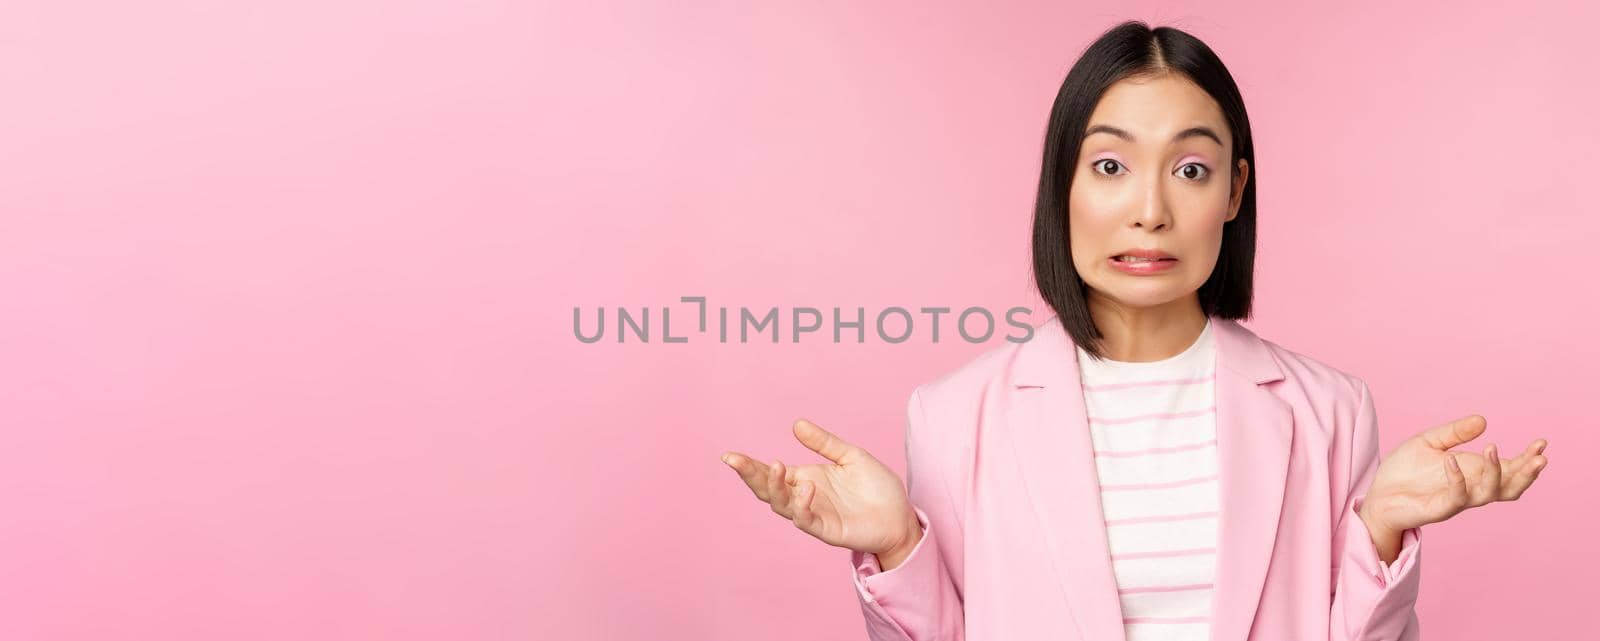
x=1137, y=301
x=1148, y=293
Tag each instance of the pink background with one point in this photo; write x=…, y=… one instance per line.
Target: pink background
x=288, y=291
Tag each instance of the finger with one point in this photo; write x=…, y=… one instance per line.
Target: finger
x=1524, y=478
x=777, y=491
x=1457, y=483
x=1534, y=448
x=804, y=518
x=1510, y=467
x=750, y=471
x=1491, y=487
x=824, y=442
x=1456, y=432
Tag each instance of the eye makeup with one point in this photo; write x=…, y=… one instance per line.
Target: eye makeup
x=1110, y=155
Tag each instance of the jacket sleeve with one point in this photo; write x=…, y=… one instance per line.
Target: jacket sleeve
x=1372, y=600
x=920, y=599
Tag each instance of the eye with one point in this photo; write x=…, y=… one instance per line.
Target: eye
x=1200, y=174
x=1098, y=163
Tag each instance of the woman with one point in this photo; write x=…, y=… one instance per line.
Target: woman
x=1144, y=467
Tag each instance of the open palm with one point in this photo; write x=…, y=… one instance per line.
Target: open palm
x=854, y=501
x=1423, y=482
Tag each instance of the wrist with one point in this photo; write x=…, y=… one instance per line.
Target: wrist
x=897, y=553
x=1385, y=538
x=913, y=533
x=1371, y=508
x=1381, y=533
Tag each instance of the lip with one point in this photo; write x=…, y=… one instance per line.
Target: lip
x=1143, y=269
x=1144, y=253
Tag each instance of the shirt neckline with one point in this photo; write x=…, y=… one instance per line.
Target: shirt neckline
x=1200, y=342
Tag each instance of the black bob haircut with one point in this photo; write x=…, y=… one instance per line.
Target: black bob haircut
x=1133, y=49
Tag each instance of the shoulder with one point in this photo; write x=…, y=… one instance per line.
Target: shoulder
x=952, y=405
x=946, y=413
x=1327, y=391
x=990, y=367
x=1311, y=372
x=986, y=373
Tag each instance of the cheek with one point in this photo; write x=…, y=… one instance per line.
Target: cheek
x=1091, y=229
x=1091, y=211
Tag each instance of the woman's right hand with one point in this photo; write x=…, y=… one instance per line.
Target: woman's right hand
x=854, y=502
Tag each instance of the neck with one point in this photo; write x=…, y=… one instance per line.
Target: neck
x=1144, y=334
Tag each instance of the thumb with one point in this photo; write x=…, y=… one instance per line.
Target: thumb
x=1456, y=432
x=824, y=442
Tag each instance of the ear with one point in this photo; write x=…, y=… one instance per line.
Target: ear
x=1241, y=175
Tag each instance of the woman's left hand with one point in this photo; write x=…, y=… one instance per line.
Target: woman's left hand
x=1422, y=482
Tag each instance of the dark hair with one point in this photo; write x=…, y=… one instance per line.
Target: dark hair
x=1133, y=49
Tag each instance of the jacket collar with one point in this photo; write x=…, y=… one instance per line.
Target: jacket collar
x=1054, y=450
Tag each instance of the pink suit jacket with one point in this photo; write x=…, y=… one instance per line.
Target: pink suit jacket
x=1001, y=472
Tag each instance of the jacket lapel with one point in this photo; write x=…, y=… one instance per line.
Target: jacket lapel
x=1254, y=431
x=1055, y=454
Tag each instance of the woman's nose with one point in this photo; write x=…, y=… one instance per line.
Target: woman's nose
x=1153, y=212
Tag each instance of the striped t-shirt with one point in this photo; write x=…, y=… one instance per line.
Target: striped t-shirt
x=1155, y=440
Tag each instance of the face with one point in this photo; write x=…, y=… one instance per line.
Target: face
x=1152, y=174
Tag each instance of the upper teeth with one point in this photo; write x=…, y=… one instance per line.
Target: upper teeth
x=1132, y=259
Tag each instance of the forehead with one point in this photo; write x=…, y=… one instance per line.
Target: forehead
x=1154, y=108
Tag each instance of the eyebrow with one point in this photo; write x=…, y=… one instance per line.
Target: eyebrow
x=1123, y=134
